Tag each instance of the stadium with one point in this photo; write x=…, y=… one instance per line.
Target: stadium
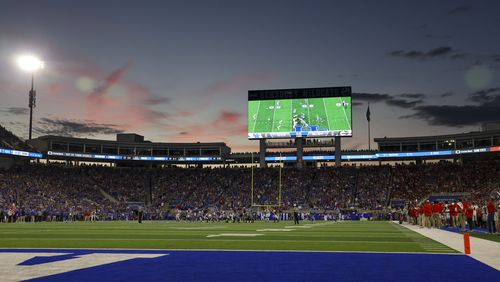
x=227, y=147
x=65, y=197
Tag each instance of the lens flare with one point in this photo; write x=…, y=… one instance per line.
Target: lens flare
x=478, y=76
x=85, y=84
x=30, y=63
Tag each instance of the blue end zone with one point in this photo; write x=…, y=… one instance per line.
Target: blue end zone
x=276, y=266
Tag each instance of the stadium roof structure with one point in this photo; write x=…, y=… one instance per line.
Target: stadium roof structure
x=62, y=147
x=459, y=141
x=450, y=146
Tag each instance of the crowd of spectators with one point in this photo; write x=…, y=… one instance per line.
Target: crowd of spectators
x=59, y=192
x=414, y=182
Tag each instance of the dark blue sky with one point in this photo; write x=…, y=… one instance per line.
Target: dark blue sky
x=176, y=70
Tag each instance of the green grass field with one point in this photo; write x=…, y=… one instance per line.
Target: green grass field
x=320, y=236
x=281, y=115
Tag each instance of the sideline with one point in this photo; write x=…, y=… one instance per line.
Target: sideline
x=482, y=250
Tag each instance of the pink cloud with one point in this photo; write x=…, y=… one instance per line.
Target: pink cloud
x=131, y=108
x=228, y=117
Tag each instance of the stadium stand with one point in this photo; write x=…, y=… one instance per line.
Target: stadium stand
x=11, y=141
x=61, y=192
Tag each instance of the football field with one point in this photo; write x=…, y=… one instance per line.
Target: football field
x=320, y=236
x=292, y=115
x=260, y=251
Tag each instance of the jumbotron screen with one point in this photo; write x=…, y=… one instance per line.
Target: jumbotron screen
x=308, y=112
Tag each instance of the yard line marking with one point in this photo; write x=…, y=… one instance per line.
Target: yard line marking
x=256, y=118
x=326, y=112
x=121, y=250
x=274, y=114
x=346, y=119
x=308, y=115
x=274, y=230
x=233, y=235
x=231, y=240
x=196, y=228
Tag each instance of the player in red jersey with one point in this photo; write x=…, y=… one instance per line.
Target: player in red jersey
x=427, y=209
x=469, y=213
x=453, y=214
x=490, y=208
x=437, y=210
x=463, y=214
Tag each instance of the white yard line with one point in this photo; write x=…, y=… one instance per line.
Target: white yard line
x=308, y=115
x=256, y=118
x=217, y=250
x=326, y=113
x=482, y=250
x=203, y=239
x=347, y=119
x=274, y=114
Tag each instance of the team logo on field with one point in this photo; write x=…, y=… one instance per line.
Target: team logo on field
x=16, y=266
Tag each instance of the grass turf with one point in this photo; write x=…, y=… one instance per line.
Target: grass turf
x=320, y=236
x=277, y=115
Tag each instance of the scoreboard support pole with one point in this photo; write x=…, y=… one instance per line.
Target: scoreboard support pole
x=338, y=157
x=262, y=155
x=300, y=151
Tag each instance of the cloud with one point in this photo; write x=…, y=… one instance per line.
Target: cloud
x=157, y=100
x=439, y=52
x=486, y=110
x=391, y=100
x=403, y=103
x=66, y=127
x=225, y=125
x=131, y=104
x=485, y=96
x=456, y=116
x=459, y=10
x=412, y=95
x=231, y=123
x=16, y=111
x=111, y=80
x=447, y=94
x=371, y=97
x=228, y=117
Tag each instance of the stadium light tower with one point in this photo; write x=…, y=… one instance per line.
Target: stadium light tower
x=31, y=64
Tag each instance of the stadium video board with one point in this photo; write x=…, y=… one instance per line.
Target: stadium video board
x=306, y=112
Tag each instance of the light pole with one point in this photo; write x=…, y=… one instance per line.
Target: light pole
x=31, y=64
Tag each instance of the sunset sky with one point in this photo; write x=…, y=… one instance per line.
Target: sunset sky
x=180, y=71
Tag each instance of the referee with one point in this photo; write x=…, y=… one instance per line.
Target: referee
x=295, y=215
x=140, y=211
